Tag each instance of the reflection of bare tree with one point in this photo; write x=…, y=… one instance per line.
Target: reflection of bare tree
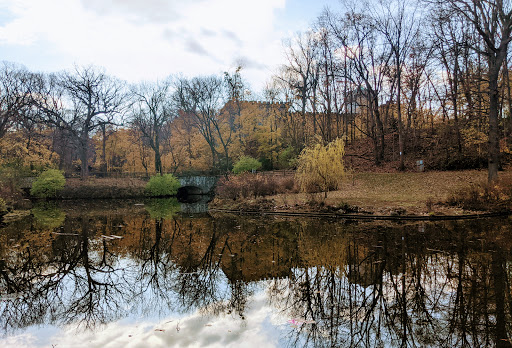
x=78, y=282
x=398, y=292
x=198, y=278
x=344, y=285
x=99, y=288
x=179, y=263
x=156, y=269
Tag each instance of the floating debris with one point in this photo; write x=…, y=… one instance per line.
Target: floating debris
x=111, y=237
x=65, y=234
x=434, y=250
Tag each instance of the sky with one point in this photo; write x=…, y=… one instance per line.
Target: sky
x=148, y=40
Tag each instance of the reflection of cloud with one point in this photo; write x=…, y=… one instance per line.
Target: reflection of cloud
x=22, y=341
x=195, y=330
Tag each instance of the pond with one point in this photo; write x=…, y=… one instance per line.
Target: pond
x=145, y=274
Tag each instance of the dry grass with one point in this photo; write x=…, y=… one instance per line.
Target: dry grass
x=416, y=193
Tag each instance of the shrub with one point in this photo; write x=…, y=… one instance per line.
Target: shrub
x=321, y=168
x=248, y=185
x=287, y=158
x=48, y=184
x=487, y=197
x=246, y=164
x=163, y=185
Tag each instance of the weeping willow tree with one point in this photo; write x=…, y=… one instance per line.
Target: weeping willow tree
x=321, y=167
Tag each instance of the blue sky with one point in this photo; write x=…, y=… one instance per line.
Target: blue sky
x=151, y=39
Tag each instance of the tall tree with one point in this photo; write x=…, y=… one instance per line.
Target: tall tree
x=369, y=58
x=203, y=97
x=399, y=27
x=16, y=84
x=492, y=20
x=151, y=110
x=79, y=103
x=301, y=74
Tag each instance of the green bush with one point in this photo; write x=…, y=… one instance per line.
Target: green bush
x=246, y=164
x=287, y=158
x=163, y=185
x=48, y=184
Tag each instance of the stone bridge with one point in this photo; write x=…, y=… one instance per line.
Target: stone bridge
x=197, y=185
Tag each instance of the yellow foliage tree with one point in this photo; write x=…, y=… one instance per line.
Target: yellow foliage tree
x=28, y=149
x=321, y=167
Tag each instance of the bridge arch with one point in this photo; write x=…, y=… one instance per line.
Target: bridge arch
x=185, y=191
x=196, y=185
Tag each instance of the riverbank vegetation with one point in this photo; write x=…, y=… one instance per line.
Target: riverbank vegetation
x=399, y=193
x=404, y=89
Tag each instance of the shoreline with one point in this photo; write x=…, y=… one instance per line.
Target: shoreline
x=366, y=196
x=349, y=216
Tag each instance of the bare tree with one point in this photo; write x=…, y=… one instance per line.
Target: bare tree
x=492, y=20
x=15, y=90
x=301, y=74
x=150, y=112
x=399, y=27
x=79, y=103
x=203, y=98
x=368, y=57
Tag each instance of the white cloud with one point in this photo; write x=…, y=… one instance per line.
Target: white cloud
x=141, y=39
x=151, y=39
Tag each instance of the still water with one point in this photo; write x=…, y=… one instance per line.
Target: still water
x=144, y=274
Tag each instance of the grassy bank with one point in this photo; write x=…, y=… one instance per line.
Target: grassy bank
x=93, y=188
x=409, y=193
x=379, y=193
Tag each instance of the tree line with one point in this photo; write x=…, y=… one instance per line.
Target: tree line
x=416, y=79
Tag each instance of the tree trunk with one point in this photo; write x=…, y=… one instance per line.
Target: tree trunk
x=104, y=150
x=84, y=165
x=399, y=111
x=494, y=146
x=158, y=159
x=158, y=162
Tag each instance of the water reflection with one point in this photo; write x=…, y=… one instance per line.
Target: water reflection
x=319, y=283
